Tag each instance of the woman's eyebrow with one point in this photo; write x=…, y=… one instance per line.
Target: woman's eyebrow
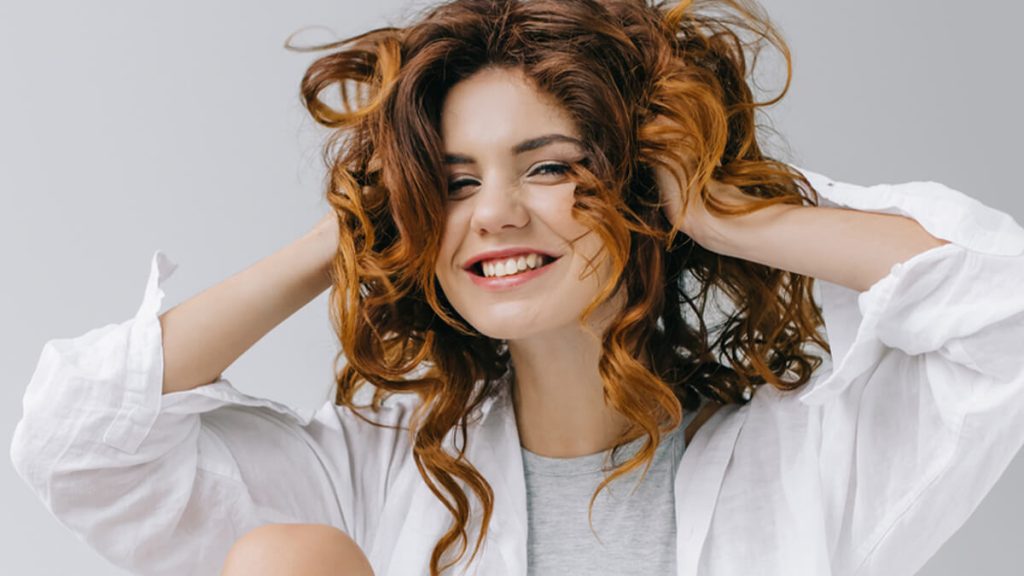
x=522, y=147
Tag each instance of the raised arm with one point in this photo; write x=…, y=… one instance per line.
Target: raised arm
x=164, y=483
x=205, y=334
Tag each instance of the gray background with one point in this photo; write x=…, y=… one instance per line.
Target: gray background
x=131, y=126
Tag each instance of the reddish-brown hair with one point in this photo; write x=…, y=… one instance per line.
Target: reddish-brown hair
x=615, y=65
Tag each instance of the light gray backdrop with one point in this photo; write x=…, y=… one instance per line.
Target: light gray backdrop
x=128, y=126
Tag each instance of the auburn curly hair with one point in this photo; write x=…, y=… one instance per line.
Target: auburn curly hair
x=615, y=66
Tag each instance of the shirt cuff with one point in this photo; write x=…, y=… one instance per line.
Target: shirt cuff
x=934, y=300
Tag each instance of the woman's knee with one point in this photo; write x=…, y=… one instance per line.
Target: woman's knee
x=306, y=549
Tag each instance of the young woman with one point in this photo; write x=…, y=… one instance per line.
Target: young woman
x=533, y=203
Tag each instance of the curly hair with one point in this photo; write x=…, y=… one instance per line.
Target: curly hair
x=615, y=66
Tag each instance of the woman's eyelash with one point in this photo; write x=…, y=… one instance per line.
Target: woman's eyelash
x=558, y=169
x=456, y=184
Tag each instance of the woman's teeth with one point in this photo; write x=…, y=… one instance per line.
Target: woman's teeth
x=509, y=266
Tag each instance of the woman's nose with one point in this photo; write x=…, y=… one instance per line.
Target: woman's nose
x=497, y=206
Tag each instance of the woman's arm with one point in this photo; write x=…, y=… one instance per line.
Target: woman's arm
x=850, y=248
x=205, y=334
x=164, y=484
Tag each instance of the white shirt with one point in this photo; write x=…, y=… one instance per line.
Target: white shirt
x=866, y=470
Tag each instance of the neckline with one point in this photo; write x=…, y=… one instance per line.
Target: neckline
x=601, y=461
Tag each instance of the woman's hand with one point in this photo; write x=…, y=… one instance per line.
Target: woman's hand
x=686, y=210
x=688, y=213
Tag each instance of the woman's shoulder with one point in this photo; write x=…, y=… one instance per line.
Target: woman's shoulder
x=361, y=420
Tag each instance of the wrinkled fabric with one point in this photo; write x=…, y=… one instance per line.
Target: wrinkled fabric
x=866, y=470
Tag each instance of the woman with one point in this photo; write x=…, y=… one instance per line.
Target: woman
x=532, y=205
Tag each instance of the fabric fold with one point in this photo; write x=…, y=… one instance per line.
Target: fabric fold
x=144, y=374
x=164, y=484
x=928, y=302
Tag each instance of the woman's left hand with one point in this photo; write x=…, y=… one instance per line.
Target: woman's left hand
x=686, y=210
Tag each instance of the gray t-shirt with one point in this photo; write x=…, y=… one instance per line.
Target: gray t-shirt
x=636, y=533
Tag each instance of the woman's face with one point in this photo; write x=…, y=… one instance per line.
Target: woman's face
x=507, y=148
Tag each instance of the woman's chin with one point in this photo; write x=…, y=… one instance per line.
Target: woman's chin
x=503, y=333
x=505, y=330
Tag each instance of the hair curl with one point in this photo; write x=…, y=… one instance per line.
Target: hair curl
x=615, y=66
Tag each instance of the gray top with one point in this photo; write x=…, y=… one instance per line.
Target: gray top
x=635, y=533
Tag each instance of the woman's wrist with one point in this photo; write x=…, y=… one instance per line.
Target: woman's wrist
x=322, y=240
x=742, y=236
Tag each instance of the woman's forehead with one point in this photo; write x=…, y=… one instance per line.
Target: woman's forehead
x=500, y=109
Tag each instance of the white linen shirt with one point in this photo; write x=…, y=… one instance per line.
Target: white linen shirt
x=866, y=470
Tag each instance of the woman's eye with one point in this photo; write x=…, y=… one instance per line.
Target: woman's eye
x=543, y=170
x=456, y=186
x=556, y=169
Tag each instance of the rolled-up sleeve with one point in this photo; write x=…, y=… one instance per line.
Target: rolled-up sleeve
x=163, y=484
x=923, y=408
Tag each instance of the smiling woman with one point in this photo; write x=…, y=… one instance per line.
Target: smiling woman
x=501, y=221
x=511, y=201
x=559, y=260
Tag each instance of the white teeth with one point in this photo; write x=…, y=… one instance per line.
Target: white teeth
x=509, y=266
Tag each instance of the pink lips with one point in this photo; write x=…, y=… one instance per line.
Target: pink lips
x=508, y=282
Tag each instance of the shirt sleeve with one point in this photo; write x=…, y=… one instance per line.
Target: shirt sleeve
x=923, y=409
x=165, y=484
